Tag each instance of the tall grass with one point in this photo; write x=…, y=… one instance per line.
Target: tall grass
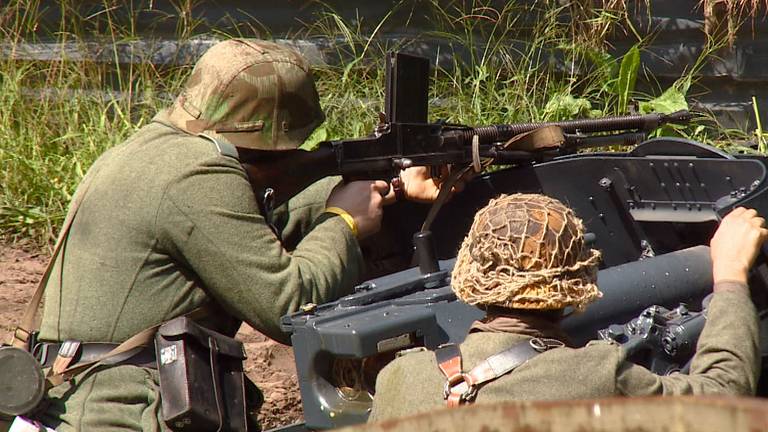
x=537, y=60
x=57, y=117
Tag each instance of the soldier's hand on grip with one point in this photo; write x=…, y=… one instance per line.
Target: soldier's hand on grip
x=419, y=186
x=363, y=201
x=736, y=244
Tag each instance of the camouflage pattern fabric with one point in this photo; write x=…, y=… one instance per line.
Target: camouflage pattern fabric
x=252, y=93
x=526, y=251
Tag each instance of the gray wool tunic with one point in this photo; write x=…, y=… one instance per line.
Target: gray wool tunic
x=727, y=361
x=167, y=225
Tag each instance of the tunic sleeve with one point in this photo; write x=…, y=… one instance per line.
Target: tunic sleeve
x=727, y=358
x=210, y=222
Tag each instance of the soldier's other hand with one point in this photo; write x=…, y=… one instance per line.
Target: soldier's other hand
x=418, y=185
x=363, y=201
x=736, y=244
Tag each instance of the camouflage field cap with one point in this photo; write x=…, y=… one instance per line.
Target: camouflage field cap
x=526, y=251
x=252, y=93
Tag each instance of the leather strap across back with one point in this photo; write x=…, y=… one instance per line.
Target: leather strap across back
x=461, y=387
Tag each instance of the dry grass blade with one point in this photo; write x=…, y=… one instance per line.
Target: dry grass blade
x=724, y=18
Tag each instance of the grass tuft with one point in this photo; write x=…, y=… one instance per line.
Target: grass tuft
x=520, y=62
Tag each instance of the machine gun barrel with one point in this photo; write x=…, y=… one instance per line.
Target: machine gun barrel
x=646, y=122
x=666, y=280
x=405, y=138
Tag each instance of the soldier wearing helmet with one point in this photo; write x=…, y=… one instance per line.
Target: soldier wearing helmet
x=170, y=221
x=524, y=260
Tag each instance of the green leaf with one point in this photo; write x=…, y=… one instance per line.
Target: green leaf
x=565, y=106
x=319, y=135
x=673, y=99
x=348, y=69
x=625, y=85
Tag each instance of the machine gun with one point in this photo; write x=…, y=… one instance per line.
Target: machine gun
x=649, y=210
x=404, y=137
x=660, y=339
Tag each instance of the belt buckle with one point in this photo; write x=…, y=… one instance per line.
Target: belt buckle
x=40, y=352
x=545, y=344
x=460, y=383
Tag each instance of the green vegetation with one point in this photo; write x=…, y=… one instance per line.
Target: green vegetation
x=524, y=63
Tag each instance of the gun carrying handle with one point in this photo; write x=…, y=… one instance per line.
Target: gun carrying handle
x=442, y=197
x=425, y=253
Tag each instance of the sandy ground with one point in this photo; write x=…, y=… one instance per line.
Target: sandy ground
x=270, y=365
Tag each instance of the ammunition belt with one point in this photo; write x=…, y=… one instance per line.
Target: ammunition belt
x=142, y=356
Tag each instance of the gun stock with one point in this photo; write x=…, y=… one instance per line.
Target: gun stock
x=286, y=173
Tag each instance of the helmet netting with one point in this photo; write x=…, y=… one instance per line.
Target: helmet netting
x=526, y=251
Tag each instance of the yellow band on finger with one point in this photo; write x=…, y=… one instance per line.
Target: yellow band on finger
x=344, y=215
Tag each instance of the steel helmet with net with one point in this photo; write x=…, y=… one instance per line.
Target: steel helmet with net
x=526, y=251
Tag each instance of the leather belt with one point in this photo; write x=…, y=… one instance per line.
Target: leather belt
x=143, y=356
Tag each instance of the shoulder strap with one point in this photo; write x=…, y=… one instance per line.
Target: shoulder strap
x=23, y=331
x=502, y=363
x=448, y=357
x=224, y=147
x=461, y=388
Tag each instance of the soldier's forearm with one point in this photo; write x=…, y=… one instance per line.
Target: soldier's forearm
x=728, y=349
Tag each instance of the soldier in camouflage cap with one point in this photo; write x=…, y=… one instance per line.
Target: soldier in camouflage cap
x=196, y=234
x=254, y=94
x=524, y=261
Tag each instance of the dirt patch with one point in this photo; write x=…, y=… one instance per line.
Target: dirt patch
x=20, y=270
x=270, y=365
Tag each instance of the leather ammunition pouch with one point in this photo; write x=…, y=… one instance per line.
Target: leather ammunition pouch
x=202, y=385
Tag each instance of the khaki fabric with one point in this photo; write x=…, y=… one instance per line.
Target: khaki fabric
x=726, y=362
x=107, y=399
x=168, y=225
